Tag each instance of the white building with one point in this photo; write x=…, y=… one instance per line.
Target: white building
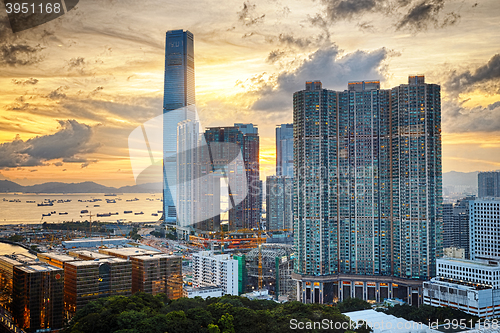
x=484, y=235
x=218, y=270
x=472, y=286
x=94, y=242
x=202, y=292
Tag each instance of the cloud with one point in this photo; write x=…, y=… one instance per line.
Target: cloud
x=347, y=9
x=413, y=15
x=25, y=82
x=424, y=13
x=486, y=77
x=19, y=54
x=58, y=93
x=248, y=15
x=457, y=118
x=72, y=139
x=275, y=55
x=326, y=65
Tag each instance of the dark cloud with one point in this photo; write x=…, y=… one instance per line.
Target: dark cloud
x=413, y=15
x=248, y=15
x=459, y=119
x=19, y=54
x=72, y=139
x=25, y=82
x=347, y=9
x=275, y=55
x=486, y=77
x=325, y=65
x=421, y=15
x=58, y=93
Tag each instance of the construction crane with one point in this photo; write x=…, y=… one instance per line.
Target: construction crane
x=90, y=220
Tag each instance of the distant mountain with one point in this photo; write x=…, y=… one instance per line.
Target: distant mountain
x=84, y=187
x=454, y=178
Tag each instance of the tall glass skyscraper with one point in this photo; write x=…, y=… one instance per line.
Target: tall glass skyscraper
x=367, y=171
x=178, y=105
x=284, y=150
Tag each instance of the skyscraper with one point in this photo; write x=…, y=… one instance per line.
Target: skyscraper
x=178, y=96
x=367, y=171
x=245, y=139
x=279, y=203
x=488, y=184
x=284, y=150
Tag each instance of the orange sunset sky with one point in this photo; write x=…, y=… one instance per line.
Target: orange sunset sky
x=73, y=89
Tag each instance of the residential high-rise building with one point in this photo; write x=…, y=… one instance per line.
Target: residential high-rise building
x=284, y=150
x=219, y=270
x=367, y=178
x=488, y=184
x=246, y=173
x=178, y=100
x=279, y=203
x=484, y=215
x=456, y=225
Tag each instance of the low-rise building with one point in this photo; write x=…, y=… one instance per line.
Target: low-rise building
x=218, y=270
x=472, y=286
x=94, y=242
x=55, y=259
x=202, y=292
x=38, y=297
x=88, y=255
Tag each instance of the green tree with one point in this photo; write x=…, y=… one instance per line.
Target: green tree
x=226, y=322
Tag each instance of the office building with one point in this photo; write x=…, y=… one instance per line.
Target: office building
x=88, y=255
x=471, y=286
x=218, y=270
x=7, y=264
x=178, y=98
x=484, y=215
x=243, y=174
x=279, y=203
x=88, y=280
x=152, y=271
x=488, y=184
x=155, y=274
x=367, y=177
x=55, y=259
x=284, y=150
x=127, y=252
x=38, y=297
x=456, y=225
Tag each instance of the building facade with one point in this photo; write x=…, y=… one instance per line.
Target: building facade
x=367, y=178
x=245, y=173
x=456, y=225
x=472, y=286
x=284, y=150
x=484, y=238
x=488, y=184
x=279, y=203
x=38, y=297
x=218, y=270
x=178, y=98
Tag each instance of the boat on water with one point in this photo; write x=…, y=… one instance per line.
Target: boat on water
x=30, y=201
x=160, y=212
x=110, y=200
x=63, y=213
x=154, y=214
x=110, y=195
x=104, y=215
x=97, y=205
x=46, y=204
x=46, y=214
x=84, y=211
x=141, y=213
x=114, y=213
x=127, y=212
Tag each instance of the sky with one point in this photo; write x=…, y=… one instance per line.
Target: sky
x=73, y=89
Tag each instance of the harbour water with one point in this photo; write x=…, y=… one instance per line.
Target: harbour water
x=9, y=249
x=24, y=208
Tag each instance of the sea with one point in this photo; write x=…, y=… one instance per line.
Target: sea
x=9, y=249
x=21, y=208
